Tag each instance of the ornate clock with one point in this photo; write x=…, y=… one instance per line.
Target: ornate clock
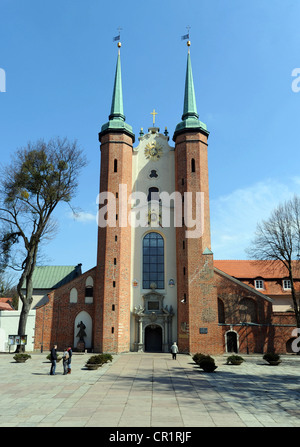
x=153, y=151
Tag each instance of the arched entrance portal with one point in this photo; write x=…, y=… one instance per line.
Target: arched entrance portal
x=231, y=341
x=153, y=338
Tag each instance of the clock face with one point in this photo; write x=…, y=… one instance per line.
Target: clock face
x=153, y=151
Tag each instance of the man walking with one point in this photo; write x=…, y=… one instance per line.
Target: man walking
x=174, y=350
x=53, y=358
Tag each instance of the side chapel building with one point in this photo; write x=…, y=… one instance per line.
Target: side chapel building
x=152, y=284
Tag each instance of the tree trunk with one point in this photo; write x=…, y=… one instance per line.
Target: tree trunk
x=27, y=299
x=22, y=324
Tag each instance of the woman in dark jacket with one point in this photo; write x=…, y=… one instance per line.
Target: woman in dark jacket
x=53, y=358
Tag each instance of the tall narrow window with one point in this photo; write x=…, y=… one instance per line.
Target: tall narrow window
x=193, y=165
x=115, y=165
x=153, y=261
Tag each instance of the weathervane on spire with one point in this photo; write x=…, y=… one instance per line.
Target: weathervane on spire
x=187, y=36
x=118, y=37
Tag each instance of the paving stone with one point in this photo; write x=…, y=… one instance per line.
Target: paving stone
x=149, y=390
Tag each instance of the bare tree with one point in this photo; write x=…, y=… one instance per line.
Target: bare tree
x=278, y=239
x=40, y=176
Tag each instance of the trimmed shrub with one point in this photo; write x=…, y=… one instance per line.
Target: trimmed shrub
x=235, y=360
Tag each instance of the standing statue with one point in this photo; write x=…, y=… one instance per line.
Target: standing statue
x=81, y=332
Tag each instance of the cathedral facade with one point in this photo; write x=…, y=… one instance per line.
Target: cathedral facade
x=155, y=281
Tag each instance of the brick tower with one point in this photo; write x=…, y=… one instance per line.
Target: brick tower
x=197, y=313
x=112, y=302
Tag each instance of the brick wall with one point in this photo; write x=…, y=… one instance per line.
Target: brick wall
x=112, y=305
x=271, y=332
x=55, y=320
x=198, y=329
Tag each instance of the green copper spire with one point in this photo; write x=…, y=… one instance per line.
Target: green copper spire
x=117, y=111
x=117, y=118
x=190, y=117
x=190, y=107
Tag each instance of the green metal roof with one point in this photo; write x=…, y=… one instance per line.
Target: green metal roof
x=54, y=276
x=116, y=121
x=190, y=117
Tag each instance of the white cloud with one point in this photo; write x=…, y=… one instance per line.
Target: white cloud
x=82, y=216
x=234, y=217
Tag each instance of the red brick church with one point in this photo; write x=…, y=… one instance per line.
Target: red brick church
x=156, y=281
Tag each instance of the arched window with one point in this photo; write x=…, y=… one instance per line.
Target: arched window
x=153, y=261
x=248, y=310
x=193, y=165
x=73, y=295
x=89, y=286
x=153, y=194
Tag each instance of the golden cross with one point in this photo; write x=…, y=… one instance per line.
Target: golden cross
x=153, y=113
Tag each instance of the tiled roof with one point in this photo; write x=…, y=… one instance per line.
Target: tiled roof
x=54, y=276
x=5, y=304
x=255, y=269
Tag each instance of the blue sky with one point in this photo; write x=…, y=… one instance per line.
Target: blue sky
x=59, y=60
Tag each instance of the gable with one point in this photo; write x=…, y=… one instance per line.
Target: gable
x=247, y=289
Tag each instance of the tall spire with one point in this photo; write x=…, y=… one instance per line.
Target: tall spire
x=190, y=117
x=117, y=111
x=189, y=107
x=117, y=118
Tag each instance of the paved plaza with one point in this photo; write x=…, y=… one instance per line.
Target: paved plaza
x=149, y=390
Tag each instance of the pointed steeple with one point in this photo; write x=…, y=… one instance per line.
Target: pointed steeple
x=117, y=111
x=190, y=107
x=117, y=118
x=190, y=117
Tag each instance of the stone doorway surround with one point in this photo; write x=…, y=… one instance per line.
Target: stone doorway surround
x=154, y=313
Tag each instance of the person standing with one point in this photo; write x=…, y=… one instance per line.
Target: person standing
x=53, y=358
x=174, y=350
x=65, y=361
x=69, y=359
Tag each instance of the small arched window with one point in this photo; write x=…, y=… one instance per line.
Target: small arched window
x=115, y=165
x=153, y=194
x=89, y=286
x=193, y=165
x=73, y=295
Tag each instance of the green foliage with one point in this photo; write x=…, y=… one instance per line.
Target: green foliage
x=21, y=356
x=197, y=357
x=99, y=359
x=234, y=359
x=206, y=362
x=107, y=357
